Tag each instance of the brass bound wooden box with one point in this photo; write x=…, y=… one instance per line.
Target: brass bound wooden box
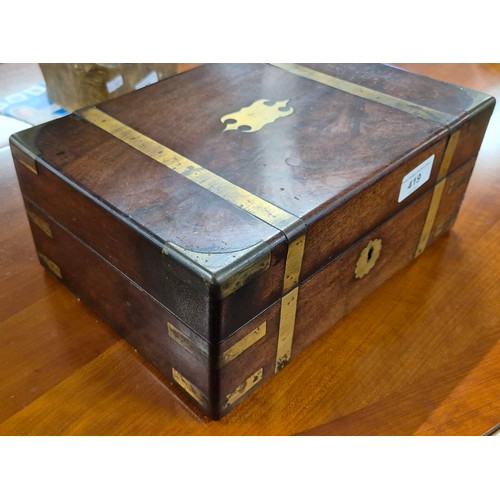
x=222, y=219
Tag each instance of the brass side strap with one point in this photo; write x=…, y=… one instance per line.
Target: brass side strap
x=243, y=388
x=195, y=349
x=191, y=389
x=367, y=93
x=38, y=221
x=51, y=265
x=437, y=193
x=242, y=345
x=286, y=329
x=202, y=352
x=293, y=266
x=289, y=300
x=448, y=155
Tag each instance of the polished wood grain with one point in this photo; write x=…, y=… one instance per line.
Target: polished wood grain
x=419, y=356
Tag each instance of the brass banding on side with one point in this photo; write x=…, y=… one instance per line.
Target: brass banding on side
x=448, y=155
x=25, y=151
x=293, y=265
x=225, y=357
x=437, y=193
x=243, y=388
x=242, y=345
x=39, y=222
x=367, y=93
x=186, y=343
x=29, y=165
x=191, y=389
x=286, y=329
x=288, y=309
x=51, y=265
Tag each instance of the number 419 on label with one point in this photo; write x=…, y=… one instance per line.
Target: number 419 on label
x=416, y=178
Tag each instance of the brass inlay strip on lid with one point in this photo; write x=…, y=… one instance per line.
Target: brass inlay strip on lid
x=367, y=93
x=437, y=193
x=243, y=388
x=236, y=195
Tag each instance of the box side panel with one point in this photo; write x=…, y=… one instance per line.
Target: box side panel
x=471, y=135
x=134, y=314
x=118, y=242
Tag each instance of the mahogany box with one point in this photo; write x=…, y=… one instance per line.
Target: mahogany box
x=223, y=219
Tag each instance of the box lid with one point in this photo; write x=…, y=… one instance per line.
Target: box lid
x=241, y=180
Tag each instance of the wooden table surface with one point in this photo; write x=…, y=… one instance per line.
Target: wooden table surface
x=421, y=356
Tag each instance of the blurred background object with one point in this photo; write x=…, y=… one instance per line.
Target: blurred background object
x=77, y=85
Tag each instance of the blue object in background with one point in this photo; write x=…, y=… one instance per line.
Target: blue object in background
x=31, y=105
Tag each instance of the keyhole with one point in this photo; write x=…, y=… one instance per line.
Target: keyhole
x=370, y=253
x=368, y=258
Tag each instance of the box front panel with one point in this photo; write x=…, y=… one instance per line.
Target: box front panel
x=332, y=232
x=340, y=286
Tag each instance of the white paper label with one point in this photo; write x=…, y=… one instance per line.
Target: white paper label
x=416, y=178
x=149, y=79
x=114, y=84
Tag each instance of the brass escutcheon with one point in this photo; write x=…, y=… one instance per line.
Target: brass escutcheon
x=368, y=258
x=257, y=115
